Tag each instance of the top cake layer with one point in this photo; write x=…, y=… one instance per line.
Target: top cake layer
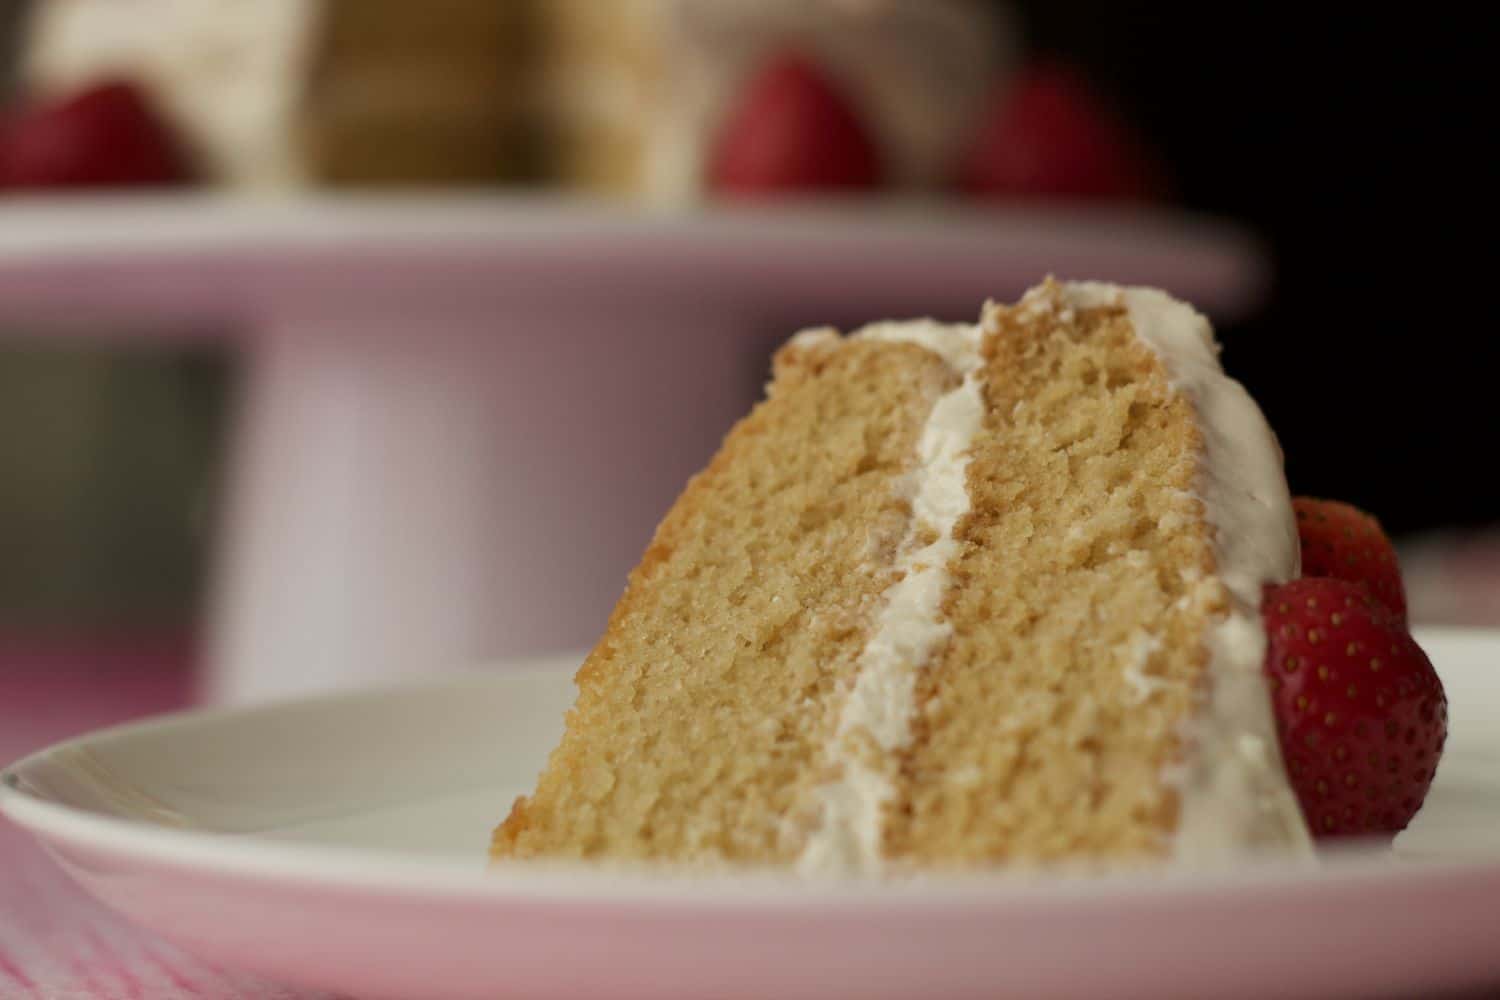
x=1233, y=789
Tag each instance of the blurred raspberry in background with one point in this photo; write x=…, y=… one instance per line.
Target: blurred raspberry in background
x=105, y=136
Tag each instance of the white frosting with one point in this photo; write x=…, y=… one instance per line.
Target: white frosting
x=814, y=337
x=1142, y=684
x=1234, y=793
x=876, y=716
x=229, y=74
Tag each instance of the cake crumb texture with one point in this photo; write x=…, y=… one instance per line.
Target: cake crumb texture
x=1047, y=726
x=701, y=711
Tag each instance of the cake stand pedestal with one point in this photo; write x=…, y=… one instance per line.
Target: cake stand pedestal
x=462, y=417
x=474, y=489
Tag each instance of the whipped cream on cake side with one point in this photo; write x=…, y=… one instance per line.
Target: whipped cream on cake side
x=1234, y=797
x=1232, y=784
x=910, y=627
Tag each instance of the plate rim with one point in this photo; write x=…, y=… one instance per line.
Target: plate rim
x=44, y=228
x=239, y=247
x=395, y=873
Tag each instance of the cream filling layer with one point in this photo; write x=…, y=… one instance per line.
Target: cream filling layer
x=875, y=718
x=1235, y=797
x=1234, y=794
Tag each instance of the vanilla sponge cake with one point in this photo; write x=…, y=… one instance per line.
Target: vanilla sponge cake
x=952, y=595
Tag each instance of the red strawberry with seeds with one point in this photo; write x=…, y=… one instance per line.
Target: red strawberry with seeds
x=105, y=136
x=1049, y=136
x=1360, y=712
x=1342, y=541
x=793, y=131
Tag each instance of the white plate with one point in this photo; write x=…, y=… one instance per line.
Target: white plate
x=340, y=843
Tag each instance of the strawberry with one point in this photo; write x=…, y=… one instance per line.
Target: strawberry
x=1342, y=541
x=105, y=136
x=791, y=131
x=1048, y=136
x=1360, y=712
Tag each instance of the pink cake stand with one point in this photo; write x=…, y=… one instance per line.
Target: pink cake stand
x=463, y=416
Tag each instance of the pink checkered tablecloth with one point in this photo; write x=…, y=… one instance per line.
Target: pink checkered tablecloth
x=56, y=942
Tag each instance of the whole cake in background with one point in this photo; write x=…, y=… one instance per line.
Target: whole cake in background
x=1018, y=591
x=667, y=102
x=621, y=97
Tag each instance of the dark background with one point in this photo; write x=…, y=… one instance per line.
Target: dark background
x=1350, y=139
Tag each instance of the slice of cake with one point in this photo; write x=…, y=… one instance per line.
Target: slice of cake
x=951, y=596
